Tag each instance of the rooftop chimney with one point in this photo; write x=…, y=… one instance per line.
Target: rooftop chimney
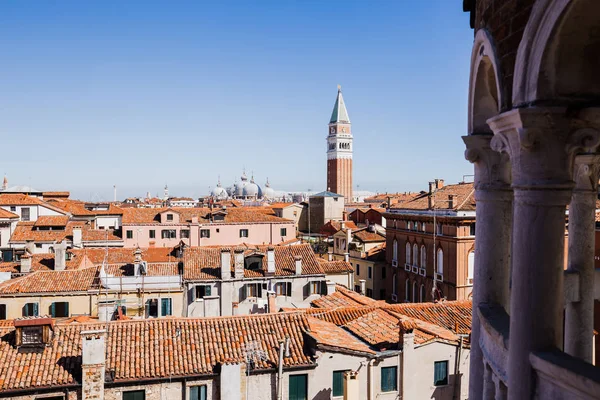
x=26, y=263
x=452, y=201
x=351, y=385
x=344, y=215
x=430, y=201
x=271, y=260
x=238, y=263
x=439, y=183
x=363, y=287
x=330, y=287
x=93, y=364
x=431, y=187
x=77, y=237
x=272, y=302
x=298, y=263
x=225, y=264
x=60, y=256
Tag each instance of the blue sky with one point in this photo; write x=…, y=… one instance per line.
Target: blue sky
x=143, y=93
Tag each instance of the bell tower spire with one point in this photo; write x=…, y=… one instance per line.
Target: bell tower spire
x=339, y=150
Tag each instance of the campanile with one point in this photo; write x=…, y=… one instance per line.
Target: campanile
x=339, y=150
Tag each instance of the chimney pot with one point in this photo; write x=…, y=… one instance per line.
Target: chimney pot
x=298, y=263
x=77, y=237
x=363, y=287
x=60, y=256
x=25, y=263
x=93, y=364
x=238, y=255
x=225, y=264
x=271, y=260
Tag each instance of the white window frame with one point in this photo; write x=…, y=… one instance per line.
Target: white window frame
x=408, y=253
x=440, y=261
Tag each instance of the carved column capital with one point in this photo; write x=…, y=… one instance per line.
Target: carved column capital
x=540, y=143
x=586, y=172
x=492, y=168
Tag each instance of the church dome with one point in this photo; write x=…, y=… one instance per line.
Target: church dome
x=252, y=190
x=218, y=192
x=268, y=193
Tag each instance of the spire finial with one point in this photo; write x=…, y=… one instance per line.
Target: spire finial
x=339, y=88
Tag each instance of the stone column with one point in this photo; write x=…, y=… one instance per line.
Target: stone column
x=579, y=314
x=493, y=195
x=541, y=148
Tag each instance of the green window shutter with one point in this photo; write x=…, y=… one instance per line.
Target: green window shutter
x=194, y=393
x=440, y=373
x=53, y=310
x=389, y=379
x=338, y=383
x=208, y=290
x=35, y=309
x=297, y=387
x=165, y=307
x=67, y=308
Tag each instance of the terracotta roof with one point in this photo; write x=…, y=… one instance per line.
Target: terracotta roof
x=366, y=236
x=282, y=205
x=154, y=269
x=465, y=198
x=100, y=235
x=132, y=216
x=25, y=231
x=448, y=314
x=332, y=227
x=19, y=199
x=56, y=194
x=335, y=267
x=205, y=262
x=155, y=348
x=7, y=214
x=326, y=334
x=40, y=262
x=77, y=207
x=52, y=220
x=126, y=255
x=51, y=281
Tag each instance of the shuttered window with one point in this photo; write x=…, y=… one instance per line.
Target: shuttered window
x=389, y=380
x=134, y=395
x=165, y=307
x=59, y=309
x=30, y=310
x=198, y=392
x=338, y=383
x=298, y=387
x=440, y=373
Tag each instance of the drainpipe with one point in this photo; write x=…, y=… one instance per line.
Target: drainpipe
x=457, y=368
x=280, y=373
x=401, y=373
x=370, y=377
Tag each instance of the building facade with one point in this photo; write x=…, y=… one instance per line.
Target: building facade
x=431, y=245
x=339, y=150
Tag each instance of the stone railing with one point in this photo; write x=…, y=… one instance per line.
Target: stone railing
x=560, y=376
x=494, y=346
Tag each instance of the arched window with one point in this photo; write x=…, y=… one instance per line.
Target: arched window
x=471, y=267
x=407, y=290
x=408, y=225
x=440, y=262
x=394, y=284
x=415, y=255
x=407, y=253
x=423, y=226
x=422, y=297
x=439, y=229
x=423, y=256
x=395, y=251
x=415, y=294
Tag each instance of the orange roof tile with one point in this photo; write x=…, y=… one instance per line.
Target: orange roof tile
x=464, y=192
x=76, y=280
x=52, y=220
x=369, y=237
x=205, y=262
x=343, y=297
x=335, y=267
x=330, y=338
x=7, y=214
x=156, y=348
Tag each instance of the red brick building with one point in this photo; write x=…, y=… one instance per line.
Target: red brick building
x=339, y=150
x=431, y=245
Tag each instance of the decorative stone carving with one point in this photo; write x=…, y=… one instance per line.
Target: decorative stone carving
x=492, y=169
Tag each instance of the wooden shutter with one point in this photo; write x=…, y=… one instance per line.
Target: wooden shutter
x=36, y=310
x=53, y=310
x=207, y=290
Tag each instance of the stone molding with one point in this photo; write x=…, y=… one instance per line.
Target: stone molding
x=587, y=173
x=492, y=169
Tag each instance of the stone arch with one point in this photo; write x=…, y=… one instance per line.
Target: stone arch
x=559, y=56
x=485, y=95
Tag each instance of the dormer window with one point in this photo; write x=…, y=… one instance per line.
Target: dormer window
x=169, y=217
x=33, y=332
x=253, y=262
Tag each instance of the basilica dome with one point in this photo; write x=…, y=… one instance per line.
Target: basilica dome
x=252, y=190
x=219, y=192
x=268, y=193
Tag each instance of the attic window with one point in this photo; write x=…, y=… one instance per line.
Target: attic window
x=31, y=335
x=169, y=217
x=253, y=262
x=218, y=217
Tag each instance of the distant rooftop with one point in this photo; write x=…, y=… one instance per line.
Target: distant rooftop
x=326, y=193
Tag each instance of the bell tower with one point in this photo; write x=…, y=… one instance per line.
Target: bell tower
x=339, y=150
